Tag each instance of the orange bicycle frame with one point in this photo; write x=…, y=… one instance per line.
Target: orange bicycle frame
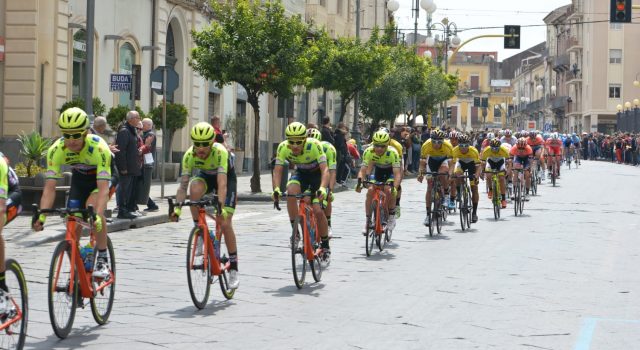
x=302, y=213
x=209, y=253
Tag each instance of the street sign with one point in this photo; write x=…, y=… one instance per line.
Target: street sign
x=547, y=127
x=120, y=82
x=156, y=80
x=531, y=124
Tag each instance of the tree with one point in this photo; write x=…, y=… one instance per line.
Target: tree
x=256, y=45
x=98, y=107
x=439, y=87
x=176, y=119
x=347, y=66
x=118, y=114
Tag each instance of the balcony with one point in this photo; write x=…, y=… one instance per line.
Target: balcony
x=574, y=44
x=559, y=102
x=576, y=78
x=561, y=63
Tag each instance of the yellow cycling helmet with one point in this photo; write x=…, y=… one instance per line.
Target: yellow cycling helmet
x=314, y=133
x=73, y=118
x=381, y=137
x=202, y=131
x=296, y=130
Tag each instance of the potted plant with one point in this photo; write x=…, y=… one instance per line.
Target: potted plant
x=236, y=127
x=33, y=147
x=98, y=107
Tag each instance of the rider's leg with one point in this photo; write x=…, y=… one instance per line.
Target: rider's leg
x=293, y=188
x=197, y=189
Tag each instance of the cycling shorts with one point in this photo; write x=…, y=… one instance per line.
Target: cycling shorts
x=82, y=186
x=383, y=175
x=524, y=161
x=307, y=180
x=554, y=150
x=469, y=167
x=211, y=184
x=495, y=165
x=13, y=206
x=536, y=148
x=434, y=164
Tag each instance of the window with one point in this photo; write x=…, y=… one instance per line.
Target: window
x=127, y=60
x=79, y=77
x=614, y=90
x=615, y=26
x=475, y=82
x=340, y=5
x=615, y=56
x=323, y=3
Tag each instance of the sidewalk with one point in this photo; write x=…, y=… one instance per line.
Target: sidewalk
x=19, y=232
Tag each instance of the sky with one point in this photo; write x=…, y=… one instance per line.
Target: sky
x=485, y=13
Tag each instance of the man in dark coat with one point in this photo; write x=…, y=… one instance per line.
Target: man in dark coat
x=128, y=164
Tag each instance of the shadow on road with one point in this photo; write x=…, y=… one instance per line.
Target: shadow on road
x=310, y=289
x=76, y=339
x=191, y=311
x=377, y=255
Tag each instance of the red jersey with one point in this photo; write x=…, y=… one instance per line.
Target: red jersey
x=535, y=142
x=553, y=143
x=521, y=152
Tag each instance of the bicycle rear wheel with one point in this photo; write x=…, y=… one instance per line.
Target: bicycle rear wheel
x=553, y=175
x=105, y=289
x=371, y=232
x=496, y=199
x=516, y=195
x=223, y=278
x=298, y=259
x=380, y=238
x=62, y=301
x=13, y=336
x=198, y=273
x=522, y=194
x=316, y=268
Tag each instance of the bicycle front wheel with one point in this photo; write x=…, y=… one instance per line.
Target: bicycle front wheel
x=316, y=268
x=223, y=279
x=298, y=259
x=198, y=273
x=496, y=200
x=371, y=231
x=105, y=289
x=63, y=291
x=13, y=335
x=516, y=195
x=463, y=209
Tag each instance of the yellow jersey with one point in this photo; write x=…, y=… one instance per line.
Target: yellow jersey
x=472, y=155
x=395, y=144
x=488, y=153
x=427, y=150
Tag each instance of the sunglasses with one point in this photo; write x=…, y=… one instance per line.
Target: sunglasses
x=379, y=146
x=201, y=144
x=296, y=143
x=464, y=145
x=495, y=149
x=437, y=142
x=73, y=136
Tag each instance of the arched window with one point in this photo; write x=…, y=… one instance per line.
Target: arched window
x=127, y=60
x=171, y=58
x=79, y=64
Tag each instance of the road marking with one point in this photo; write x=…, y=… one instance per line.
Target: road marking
x=589, y=326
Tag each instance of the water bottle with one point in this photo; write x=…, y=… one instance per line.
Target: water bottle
x=216, y=243
x=87, y=257
x=312, y=233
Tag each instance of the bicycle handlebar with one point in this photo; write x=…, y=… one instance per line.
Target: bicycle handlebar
x=86, y=212
x=276, y=200
x=213, y=201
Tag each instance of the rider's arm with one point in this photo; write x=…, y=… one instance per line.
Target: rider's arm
x=48, y=194
x=103, y=196
x=222, y=188
x=277, y=175
x=181, y=194
x=324, y=170
x=397, y=175
x=3, y=210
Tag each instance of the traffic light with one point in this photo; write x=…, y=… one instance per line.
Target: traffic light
x=620, y=11
x=513, y=40
x=448, y=112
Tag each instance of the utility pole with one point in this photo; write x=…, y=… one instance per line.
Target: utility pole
x=356, y=100
x=414, y=103
x=88, y=99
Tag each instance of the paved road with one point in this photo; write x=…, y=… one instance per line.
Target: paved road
x=564, y=276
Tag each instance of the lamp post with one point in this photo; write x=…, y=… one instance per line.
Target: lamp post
x=619, y=117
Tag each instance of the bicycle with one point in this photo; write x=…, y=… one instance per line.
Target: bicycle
x=495, y=188
x=519, y=192
x=70, y=274
x=205, y=258
x=305, y=248
x=465, y=204
x=14, y=322
x=554, y=169
x=380, y=213
x=438, y=211
x=535, y=177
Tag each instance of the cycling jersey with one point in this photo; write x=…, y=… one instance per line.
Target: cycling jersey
x=428, y=150
x=471, y=156
x=489, y=154
x=216, y=162
x=9, y=191
x=307, y=161
x=389, y=159
x=330, y=152
x=554, y=145
x=510, y=140
x=537, y=141
x=93, y=159
x=521, y=152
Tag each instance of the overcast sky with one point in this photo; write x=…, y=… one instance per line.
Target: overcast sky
x=485, y=13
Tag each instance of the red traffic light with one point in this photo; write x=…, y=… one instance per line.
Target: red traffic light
x=620, y=6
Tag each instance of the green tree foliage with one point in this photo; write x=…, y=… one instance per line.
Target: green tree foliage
x=254, y=44
x=98, y=107
x=118, y=114
x=176, y=119
x=347, y=66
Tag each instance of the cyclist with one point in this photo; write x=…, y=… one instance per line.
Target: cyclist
x=383, y=161
x=495, y=157
x=467, y=159
x=330, y=152
x=399, y=148
x=215, y=173
x=575, y=139
x=521, y=154
x=312, y=174
x=90, y=160
x=10, y=199
x=568, y=148
x=508, y=138
x=554, y=149
x=536, y=142
x=435, y=156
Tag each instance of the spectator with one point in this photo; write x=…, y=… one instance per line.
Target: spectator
x=128, y=164
x=149, y=139
x=353, y=152
x=341, y=152
x=100, y=128
x=425, y=134
x=327, y=133
x=416, y=144
x=215, y=122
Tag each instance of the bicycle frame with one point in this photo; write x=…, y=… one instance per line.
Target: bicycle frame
x=380, y=196
x=308, y=218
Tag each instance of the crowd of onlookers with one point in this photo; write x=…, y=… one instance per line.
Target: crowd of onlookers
x=620, y=147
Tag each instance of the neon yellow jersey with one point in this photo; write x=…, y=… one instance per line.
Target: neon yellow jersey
x=488, y=153
x=308, y=160
x=217, y=162
x=427, y=150
x=397, y=146
x=389, y=159
x=93, y=159
x=472, y=155
x=4, y=179
x=331, y=154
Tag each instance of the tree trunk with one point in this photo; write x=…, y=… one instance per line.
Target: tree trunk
x=255, y=178
x=166, y=149
x=344, y=101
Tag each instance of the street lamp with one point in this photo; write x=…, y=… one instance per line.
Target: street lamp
x=636, y=82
